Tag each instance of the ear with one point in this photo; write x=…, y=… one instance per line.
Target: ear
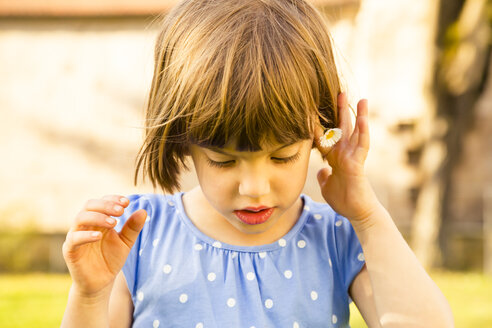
x=317, y=133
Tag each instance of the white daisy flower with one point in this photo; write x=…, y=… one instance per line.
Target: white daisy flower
x=330, y=138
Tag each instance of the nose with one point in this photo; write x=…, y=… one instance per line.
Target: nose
x=254, y=183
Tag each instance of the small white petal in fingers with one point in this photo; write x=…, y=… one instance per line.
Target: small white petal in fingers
x=330, y=138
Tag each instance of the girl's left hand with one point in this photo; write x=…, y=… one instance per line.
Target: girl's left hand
x=344, y=186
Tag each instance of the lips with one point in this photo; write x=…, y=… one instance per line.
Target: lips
x=254, y=215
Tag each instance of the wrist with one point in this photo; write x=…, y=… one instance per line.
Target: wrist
x=86, y=309
x=84, y=297
x=370, y=218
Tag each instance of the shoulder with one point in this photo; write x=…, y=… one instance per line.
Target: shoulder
x=152, y=203
x=321, y=215
x=335, y=230
x=158, y=208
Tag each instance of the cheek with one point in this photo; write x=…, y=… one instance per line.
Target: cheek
x=293, y=178
x=214, y=183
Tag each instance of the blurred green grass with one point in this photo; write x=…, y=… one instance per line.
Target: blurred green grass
x=38, y=300
x=33, y=300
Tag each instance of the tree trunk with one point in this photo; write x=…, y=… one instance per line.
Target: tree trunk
x=462, y=40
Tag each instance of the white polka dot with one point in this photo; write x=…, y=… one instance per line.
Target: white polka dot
x=167, y=269
x=234, y=255
x=252, y=327
x=217, y=244
x=329, y=262
x=140, y=296
x=140, y=252
x=288, y=274
x=199, y=325
x=295, y=324
x=170, y=203
x=339, y=223
x=306, y=208
x=231, y=302
x=318, y=216
x=250, y=276
x=198, y=247
x=155, y=242
x=301, y=244
x=314, y=295
x=282, y=242
x=178, y=211
x=183, y=298
x=155, y=324
x=361, y=257
x=334, y=319
x=269, y=303
x=262, y=254
x=211, y=276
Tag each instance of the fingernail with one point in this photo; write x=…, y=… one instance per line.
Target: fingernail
x=123, y=200
x=96, y=234
x=110, y=221
x=118, y=208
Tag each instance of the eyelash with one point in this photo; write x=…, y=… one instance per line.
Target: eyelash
x=282, y=160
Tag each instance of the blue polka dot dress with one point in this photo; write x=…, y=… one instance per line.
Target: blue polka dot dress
x=179, y=277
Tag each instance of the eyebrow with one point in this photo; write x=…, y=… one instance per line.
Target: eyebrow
x=220, y=151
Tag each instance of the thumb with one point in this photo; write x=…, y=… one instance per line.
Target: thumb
x=323, y=174
x=132, y=227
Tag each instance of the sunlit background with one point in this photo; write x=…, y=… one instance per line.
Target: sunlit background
x=74, y=76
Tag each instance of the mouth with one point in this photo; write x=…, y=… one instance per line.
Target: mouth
x=254, y=216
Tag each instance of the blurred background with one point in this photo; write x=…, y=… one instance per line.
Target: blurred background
x=74, y=77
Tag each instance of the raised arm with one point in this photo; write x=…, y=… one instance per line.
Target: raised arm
x=402, y=292
x=95, y=253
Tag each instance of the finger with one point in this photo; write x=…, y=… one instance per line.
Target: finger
x=345, y=122
x=132, y=227
x=354, y=138
x=87, y=219
x=363, y=124
x=108, y=207
x=76, y=239
x=363, y=128
x=322, y=175
x=118, y=199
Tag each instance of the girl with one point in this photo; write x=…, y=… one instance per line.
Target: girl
x=246, y=89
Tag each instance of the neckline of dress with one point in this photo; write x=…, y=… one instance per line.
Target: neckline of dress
x=279, y=244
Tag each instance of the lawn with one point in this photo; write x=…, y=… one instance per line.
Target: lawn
x=38, y=300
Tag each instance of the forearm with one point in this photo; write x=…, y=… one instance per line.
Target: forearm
x=404, y=294
x=85, y=311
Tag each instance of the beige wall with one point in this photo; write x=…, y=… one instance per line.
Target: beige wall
x=72, y=92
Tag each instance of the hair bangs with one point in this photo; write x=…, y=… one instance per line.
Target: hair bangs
x=268, y=87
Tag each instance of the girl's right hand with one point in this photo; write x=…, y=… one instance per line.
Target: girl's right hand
x=93, y=250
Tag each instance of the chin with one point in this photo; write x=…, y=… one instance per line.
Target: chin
x=254, y=229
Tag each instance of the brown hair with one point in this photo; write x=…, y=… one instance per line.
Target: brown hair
x=236, y=70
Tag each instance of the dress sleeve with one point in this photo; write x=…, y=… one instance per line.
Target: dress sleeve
x=130, y=267
x=349, y=251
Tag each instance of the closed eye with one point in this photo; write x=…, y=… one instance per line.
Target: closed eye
x=280, y=160
x=219, y=164
x=289, y=159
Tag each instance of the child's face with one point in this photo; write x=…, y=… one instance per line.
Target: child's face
x=238, y=184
